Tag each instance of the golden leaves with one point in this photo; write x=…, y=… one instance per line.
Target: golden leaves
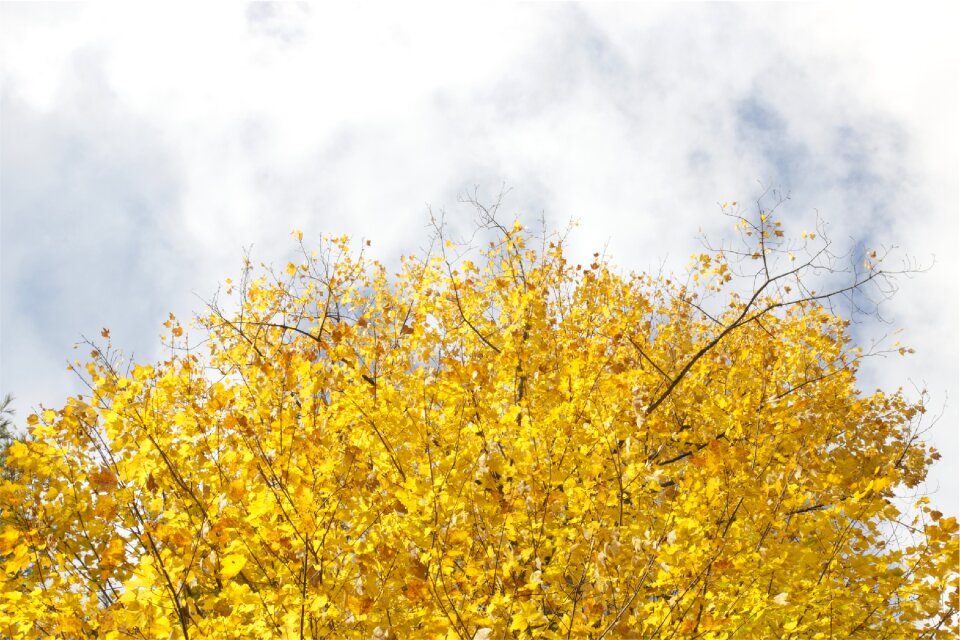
x=105, y=507
x=114, y=554
x=231, y=565
x=474, y=450
x=103, y=480
x=236, y=489
x=949, y=525
x=8, y=537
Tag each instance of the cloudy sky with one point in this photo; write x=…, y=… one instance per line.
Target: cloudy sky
x=144, y=147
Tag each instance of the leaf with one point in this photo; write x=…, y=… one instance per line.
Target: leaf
x=103, y=480
x=231, y=565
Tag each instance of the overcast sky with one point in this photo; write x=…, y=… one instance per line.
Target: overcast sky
x=143, y=147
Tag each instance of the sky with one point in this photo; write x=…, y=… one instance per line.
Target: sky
x=143, y=148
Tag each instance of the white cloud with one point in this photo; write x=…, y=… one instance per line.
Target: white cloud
x=144, y=147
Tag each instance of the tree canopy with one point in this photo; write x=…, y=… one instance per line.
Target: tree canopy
x=492, y=443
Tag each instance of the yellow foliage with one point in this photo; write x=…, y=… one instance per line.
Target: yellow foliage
x=509, y=447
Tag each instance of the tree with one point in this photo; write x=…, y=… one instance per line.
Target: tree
x=7, y=434
x=6, y=418
x=494, y=443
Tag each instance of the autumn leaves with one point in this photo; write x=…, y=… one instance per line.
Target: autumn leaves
x=492, y=445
